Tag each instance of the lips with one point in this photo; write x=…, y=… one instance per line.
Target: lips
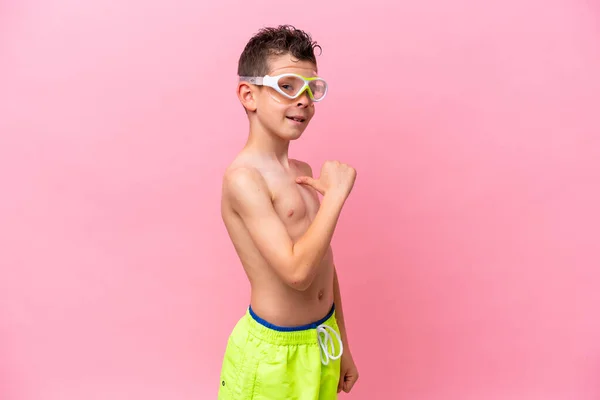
x=297, y=118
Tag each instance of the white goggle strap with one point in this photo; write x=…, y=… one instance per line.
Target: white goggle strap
x=255, y=80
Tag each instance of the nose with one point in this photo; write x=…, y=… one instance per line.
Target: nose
x=304, y=100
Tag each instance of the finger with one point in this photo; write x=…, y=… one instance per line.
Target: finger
x=308, y=181
x=348, y=384
x=341, y=382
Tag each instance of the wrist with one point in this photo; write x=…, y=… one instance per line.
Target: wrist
x=335, y=196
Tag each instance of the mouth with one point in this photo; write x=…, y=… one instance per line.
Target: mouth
x=297, y=119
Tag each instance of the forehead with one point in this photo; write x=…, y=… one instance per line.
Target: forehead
x=285, y=63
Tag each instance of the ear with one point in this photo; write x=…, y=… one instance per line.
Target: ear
x=247, y=96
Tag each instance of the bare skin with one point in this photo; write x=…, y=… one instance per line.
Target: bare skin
x=296, y=206
x=280, y=229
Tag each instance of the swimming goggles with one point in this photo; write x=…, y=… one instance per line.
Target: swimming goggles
x=291, y=85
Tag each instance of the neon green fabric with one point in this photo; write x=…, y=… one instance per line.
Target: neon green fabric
x=262, y=363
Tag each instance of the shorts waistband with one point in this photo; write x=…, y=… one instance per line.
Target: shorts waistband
x=304, y=334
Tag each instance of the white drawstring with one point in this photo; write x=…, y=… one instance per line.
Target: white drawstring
x=328, y=340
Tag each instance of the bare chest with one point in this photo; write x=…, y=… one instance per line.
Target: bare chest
x=296, y=205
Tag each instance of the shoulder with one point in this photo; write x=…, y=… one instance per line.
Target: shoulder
x=242, y=179
x=304, y=167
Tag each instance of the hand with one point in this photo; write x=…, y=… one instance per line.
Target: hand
x=348, y=373
x=335, y=178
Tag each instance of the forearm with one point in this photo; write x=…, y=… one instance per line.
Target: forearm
x=339, y=312
x=310, y=249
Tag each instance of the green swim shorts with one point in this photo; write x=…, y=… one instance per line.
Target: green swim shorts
x=267, y=362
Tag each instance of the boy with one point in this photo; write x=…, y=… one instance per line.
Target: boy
x=291, y=343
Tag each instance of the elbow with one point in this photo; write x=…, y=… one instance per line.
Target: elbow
x=300, y=281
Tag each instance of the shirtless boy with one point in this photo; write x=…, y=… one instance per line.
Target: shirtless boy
x=291, y=343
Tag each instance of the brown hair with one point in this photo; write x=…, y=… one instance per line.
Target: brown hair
x=268, y=42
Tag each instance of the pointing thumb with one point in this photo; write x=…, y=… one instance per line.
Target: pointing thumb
x=308, y=181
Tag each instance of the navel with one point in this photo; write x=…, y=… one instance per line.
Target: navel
x=320, y=294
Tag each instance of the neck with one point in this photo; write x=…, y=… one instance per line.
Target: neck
x=269, y=145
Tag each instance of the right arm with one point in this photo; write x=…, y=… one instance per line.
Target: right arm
x=295, y=263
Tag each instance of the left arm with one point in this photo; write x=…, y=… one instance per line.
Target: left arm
x=339, y=312
x=348, y=370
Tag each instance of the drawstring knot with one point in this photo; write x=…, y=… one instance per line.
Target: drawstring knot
x=326, y=341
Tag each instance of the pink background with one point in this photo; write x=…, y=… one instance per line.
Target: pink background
x=468, y=252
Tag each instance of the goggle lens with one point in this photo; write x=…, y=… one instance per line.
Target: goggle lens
x=294, y=85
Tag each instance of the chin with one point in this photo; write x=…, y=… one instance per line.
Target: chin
x=293, y=135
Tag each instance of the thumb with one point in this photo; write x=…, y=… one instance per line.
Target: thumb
x=341, y=382
x=308, y=181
